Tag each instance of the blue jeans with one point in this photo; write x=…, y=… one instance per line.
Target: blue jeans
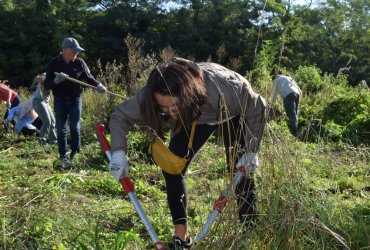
x=291, y=103
x=46, y=115
x=68, y=107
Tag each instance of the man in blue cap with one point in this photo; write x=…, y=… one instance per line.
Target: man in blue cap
x=67, y=94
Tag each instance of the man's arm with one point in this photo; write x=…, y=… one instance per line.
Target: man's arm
x=88, y=77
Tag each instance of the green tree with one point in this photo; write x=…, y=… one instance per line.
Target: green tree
x=321, y=36
x=32, y=32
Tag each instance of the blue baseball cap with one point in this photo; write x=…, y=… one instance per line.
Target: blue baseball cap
x=72, y=44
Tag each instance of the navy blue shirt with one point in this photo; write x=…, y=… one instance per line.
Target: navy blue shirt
x=76, y=69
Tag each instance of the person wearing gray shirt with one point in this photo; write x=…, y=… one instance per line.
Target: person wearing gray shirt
x=194, y=100
x=41, y=99
x=290, y=93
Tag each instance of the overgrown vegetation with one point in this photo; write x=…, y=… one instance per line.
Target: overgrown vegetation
x=313, y=192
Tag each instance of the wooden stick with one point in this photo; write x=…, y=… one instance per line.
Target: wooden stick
x=88, y=85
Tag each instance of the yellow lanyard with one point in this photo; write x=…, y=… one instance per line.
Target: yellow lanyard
x=190, y=144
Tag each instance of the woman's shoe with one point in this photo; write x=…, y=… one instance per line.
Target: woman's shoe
x=178, y=244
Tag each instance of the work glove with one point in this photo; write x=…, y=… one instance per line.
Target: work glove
x=8, y=105
x=101, y=89
x=118, y=165
x=249, y=161
x=60, y=77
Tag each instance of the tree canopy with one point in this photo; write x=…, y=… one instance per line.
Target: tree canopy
x=333, y=35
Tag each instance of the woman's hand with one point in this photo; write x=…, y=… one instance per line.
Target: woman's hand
x=249, y=161
x=118, y=165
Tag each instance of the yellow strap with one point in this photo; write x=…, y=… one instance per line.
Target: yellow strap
x=190, y=144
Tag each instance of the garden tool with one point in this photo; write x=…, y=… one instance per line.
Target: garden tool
x=220, y=203
x=129, y=188
x=7, y=125
x=88, y=85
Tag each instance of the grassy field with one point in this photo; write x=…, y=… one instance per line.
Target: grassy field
x=313, y=193
x=311, y=196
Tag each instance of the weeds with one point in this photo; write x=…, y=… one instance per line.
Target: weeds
x=312, y=193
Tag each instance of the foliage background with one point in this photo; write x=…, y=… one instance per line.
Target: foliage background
x=333, y=35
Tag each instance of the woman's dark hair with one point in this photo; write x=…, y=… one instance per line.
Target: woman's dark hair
x=179, y=78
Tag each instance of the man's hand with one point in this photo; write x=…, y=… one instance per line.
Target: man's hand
x=249, y=161
x=39, y=78
x=101, y=89
x=118, y=165
x=60, y=78
x=8, y=105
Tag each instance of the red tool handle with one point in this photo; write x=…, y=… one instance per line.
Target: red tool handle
x=101, y=137
x=129, y=188
x=127, y=185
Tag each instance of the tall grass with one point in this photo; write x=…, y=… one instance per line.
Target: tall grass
x=296, y=212
x=310, y=195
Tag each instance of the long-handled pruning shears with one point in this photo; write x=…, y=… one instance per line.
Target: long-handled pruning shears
x=129, y=188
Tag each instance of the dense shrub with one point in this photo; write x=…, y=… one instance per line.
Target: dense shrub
x=309, y=78
x=337, y=112
x=358, y=130
x=344, y=109
x=348, y=116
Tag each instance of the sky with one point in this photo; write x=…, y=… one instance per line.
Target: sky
x=171, y=5
x=305, y=2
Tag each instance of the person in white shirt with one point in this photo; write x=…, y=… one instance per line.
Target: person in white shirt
x=28, y=122
x=290, y=93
